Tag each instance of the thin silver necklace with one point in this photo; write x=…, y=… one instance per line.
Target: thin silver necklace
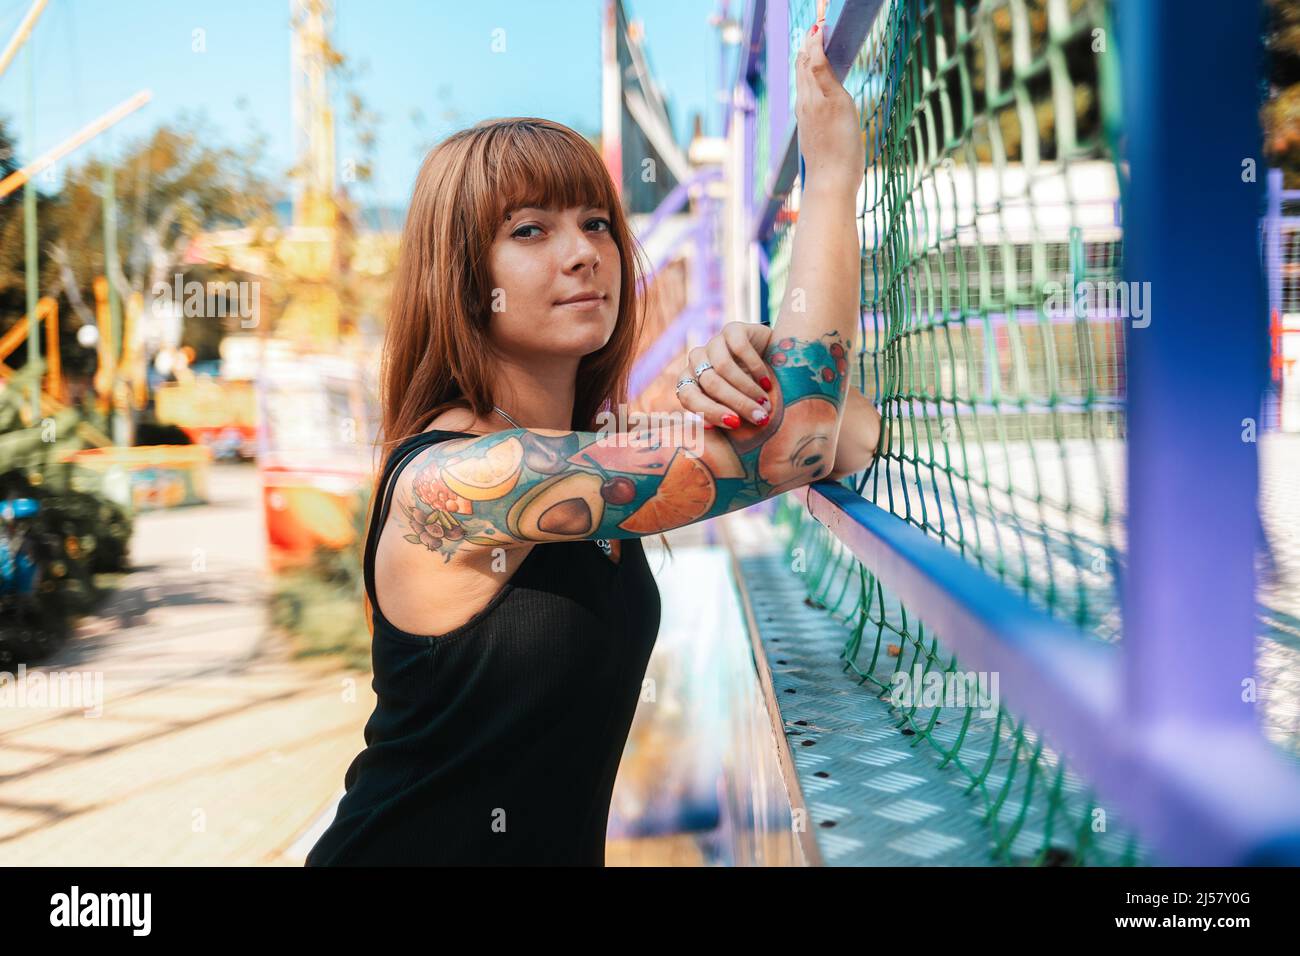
x=600, y=542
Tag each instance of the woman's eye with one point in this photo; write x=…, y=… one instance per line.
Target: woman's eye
x=608, y=225
x=521, y=229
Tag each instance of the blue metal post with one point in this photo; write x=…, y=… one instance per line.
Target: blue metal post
x=1196, y=372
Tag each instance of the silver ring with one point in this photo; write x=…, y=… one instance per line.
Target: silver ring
x=703, y=367
x=682, y=383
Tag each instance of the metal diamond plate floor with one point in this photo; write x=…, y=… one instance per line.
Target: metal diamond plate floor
x=876, y=796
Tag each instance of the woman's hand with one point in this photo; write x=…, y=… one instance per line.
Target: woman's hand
x=830, y=133
x=737, y=384
x=722, y=395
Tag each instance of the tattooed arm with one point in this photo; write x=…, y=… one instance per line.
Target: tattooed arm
x=525, y=485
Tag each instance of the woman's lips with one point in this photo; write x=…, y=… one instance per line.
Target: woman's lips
x=584, y=304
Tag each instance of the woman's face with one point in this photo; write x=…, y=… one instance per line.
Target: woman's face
x=541, y=257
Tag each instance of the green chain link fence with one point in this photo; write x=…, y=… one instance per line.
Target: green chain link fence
x=992, y=341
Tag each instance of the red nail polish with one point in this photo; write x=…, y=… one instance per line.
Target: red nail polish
x=708, y=424
x=814, y=28
x=765, y=383
x=731, y=421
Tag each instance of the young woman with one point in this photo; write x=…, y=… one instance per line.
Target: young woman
x=513, y=608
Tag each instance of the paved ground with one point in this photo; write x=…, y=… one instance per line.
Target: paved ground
x=213, y=746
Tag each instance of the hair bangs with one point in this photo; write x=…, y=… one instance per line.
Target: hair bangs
x=539, y=167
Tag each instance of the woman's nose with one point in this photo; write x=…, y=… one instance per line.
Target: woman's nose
x=584, y=252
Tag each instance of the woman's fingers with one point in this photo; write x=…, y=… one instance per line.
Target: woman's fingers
x=744, y=344
x=747, y=341
x=742, y=380
x=695, y=398
x=812, y=73
x=730, y=385
x=819, y=67
x=812, y=62
x=738, y=380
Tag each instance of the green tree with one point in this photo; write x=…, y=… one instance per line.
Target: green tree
x=170, y=186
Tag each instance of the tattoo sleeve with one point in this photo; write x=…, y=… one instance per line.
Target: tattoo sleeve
x=526, y=484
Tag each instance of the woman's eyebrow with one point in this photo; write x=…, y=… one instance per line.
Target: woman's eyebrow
x=507, y=216
x=546, y=209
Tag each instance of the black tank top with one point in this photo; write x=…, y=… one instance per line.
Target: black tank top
x=499, y=742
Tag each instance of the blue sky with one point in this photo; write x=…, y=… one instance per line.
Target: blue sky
x=434, y=56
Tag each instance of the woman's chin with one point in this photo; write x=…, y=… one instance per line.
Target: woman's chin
x=569, y=347
x=590, y=336
x=581, y=317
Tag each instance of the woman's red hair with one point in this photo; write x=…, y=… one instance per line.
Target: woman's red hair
x=436, y=352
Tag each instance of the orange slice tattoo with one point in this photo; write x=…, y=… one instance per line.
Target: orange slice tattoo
x=686, y=494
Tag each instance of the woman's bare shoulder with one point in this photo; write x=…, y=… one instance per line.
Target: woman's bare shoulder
x=453, y=420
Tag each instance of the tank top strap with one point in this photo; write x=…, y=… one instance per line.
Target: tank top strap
x=407, y=449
